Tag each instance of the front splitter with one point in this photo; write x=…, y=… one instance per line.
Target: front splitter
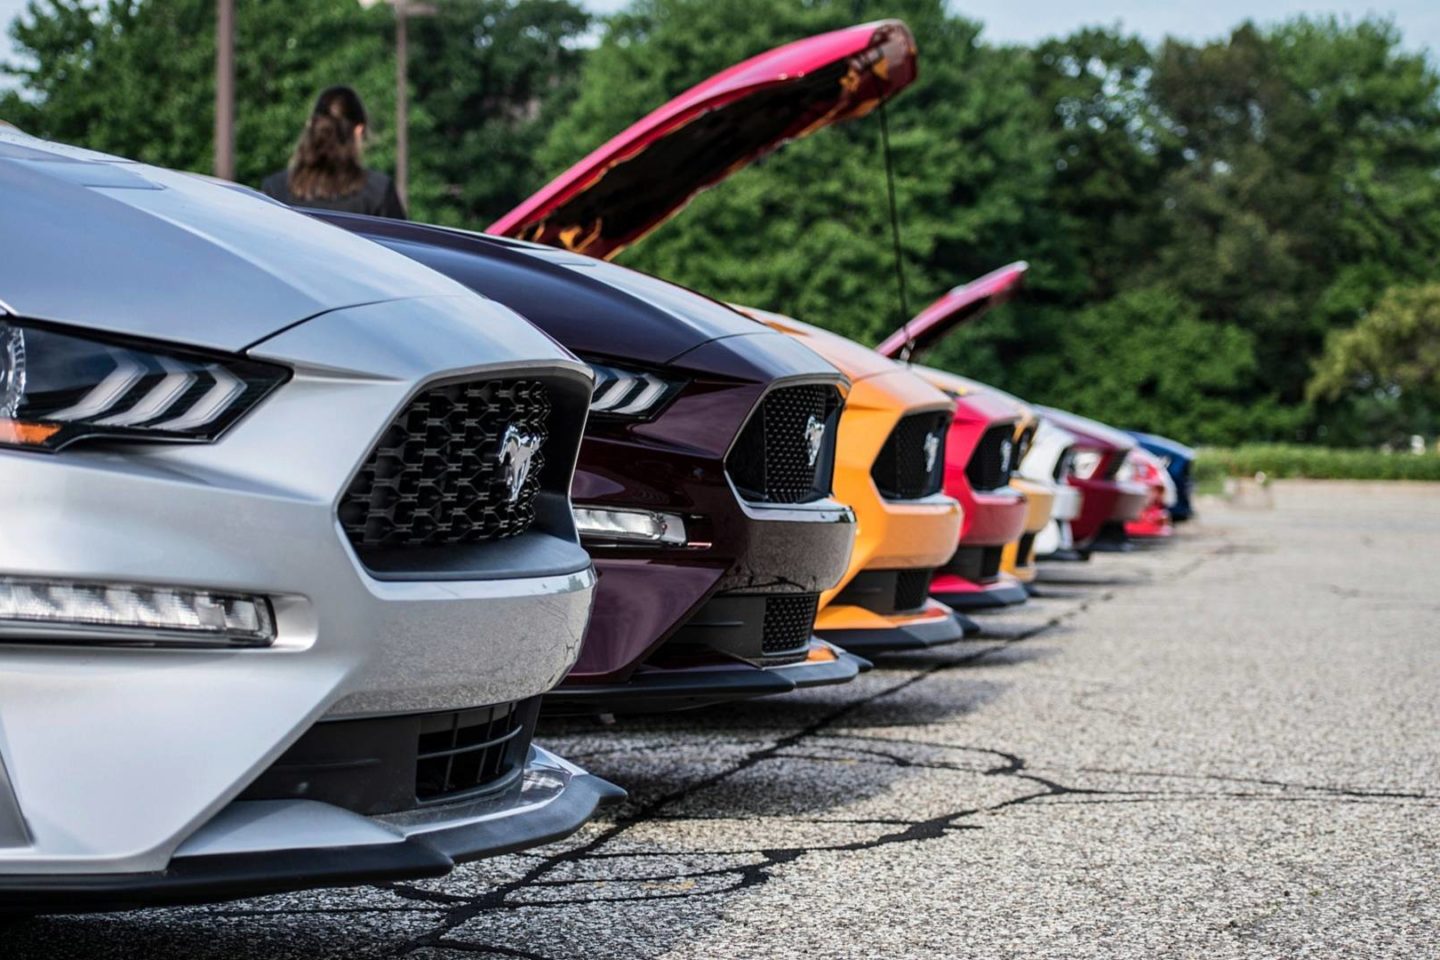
x=899, y=637
x=985, y=596
x=654, y=689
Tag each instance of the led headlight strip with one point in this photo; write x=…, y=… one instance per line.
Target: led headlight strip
x=629, y=393
x=37, y=610
x=58, y=387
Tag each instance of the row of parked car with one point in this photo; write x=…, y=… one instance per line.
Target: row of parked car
x=311, y=515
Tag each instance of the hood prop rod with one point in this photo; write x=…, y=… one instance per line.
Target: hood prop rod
x=895, y=235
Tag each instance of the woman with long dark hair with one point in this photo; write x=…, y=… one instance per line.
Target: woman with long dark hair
x=327, y=170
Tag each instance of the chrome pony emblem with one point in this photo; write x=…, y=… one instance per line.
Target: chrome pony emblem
x=1006, y=448
x=814, y=437
x=517, y=454
x=932, y=451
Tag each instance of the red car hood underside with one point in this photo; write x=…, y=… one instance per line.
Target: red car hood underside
x=648, y=172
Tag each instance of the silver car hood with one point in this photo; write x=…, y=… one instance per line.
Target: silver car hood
x=113, y=245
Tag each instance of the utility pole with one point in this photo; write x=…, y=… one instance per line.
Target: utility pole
x=225, y=89
x=402, y=101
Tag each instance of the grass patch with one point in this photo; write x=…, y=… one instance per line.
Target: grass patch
x=1280, y=461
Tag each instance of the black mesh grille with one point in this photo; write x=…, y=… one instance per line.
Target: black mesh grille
x=912, y=587
x=911, y=464
x=439, y=472
x=990, y=465
x=789, y=621
x=772, y=459
x=1025, y=550
x=465, y=750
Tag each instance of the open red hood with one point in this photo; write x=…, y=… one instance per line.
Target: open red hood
x=647, y=173
x=961, y=305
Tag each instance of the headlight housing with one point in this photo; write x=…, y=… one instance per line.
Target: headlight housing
x=59, y=387
x=629, y=394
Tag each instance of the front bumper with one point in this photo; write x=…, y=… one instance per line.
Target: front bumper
x=260, y=847
x=933, y=626
x=1102, y=501
x=965, y=594
x=113, y=758
x=678, y=682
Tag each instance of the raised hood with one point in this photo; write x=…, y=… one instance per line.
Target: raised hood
x=104, y=243
x=961, y=305
x=648, y=172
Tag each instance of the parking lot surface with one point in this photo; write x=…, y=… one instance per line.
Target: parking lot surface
x=1227, y=746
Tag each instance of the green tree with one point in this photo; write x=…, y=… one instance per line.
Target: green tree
x=490, y=75
x=1383, y=374
x=1309, y=186
x=137, y=77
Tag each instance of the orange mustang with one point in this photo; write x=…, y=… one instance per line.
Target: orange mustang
x=890, y=469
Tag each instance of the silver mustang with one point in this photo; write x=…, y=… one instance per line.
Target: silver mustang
x=287, y=553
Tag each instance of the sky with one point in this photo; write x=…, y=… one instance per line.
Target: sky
x=1021, y=21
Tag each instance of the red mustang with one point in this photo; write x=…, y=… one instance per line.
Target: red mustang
x=980, y=454
x=1100, y=452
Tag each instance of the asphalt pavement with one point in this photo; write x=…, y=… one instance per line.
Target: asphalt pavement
x=1225, y=746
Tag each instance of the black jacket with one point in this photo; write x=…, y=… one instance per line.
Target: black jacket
x=377, y=197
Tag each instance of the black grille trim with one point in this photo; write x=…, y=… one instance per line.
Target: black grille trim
x=907, y=468
x=789, y=622
x=437, y=474
x=992, y=461
x=770, y=461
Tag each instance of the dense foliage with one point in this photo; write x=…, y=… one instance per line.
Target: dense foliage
x=1202, y=220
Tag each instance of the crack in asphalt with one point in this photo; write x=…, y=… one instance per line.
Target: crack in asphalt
x=537, y=888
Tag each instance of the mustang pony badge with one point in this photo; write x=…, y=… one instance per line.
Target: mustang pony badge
x=814, y=437
x=518, y=449
x=932, y=451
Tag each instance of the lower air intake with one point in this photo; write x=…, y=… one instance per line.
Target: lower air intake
x=465, y=750
x=789, y=621
x=912, y=589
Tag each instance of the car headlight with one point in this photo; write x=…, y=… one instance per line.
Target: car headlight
x=632, y=394
x=1084, y=463
x=57, y=388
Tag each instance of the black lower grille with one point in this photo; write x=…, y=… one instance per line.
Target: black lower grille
x=388, y=764
x=789, y=621
x=460, y=464
x=786, y=452
x=1025, y=551
x=977, y=564
x=465, y=750
x=911, y=464
x=991, y=462
x=912, y=588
